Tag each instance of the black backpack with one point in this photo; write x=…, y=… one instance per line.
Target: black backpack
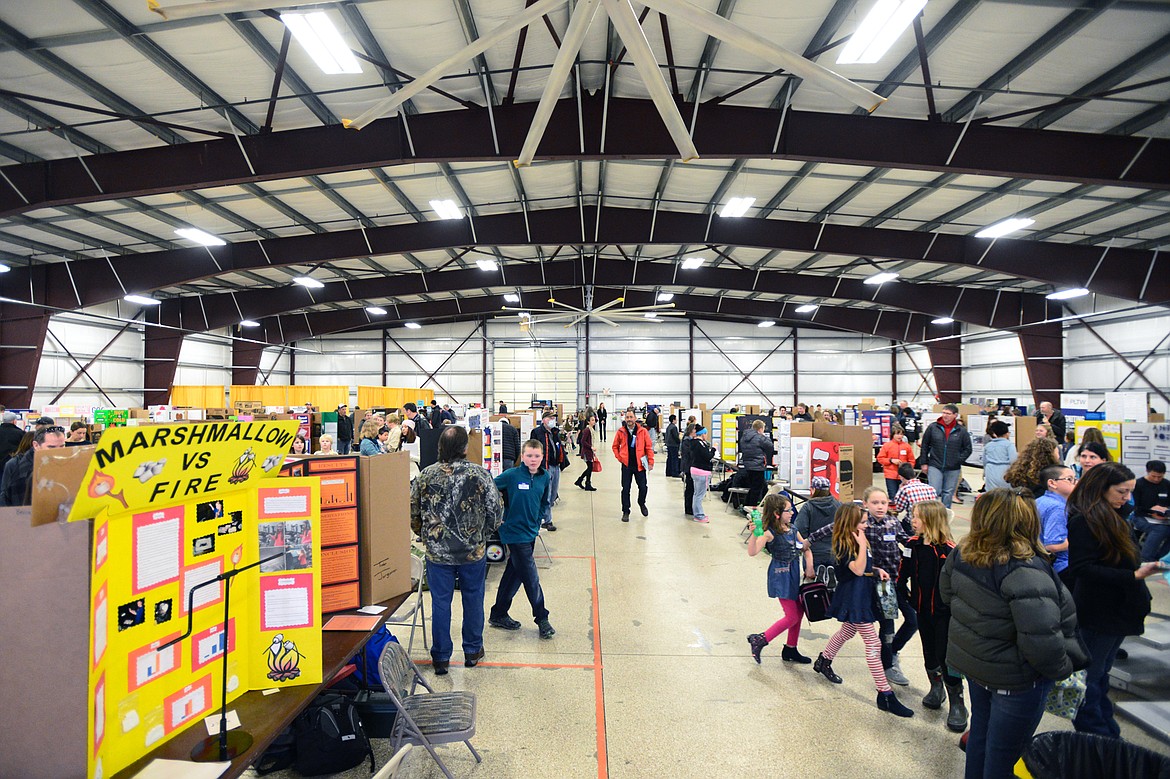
x=330, y=737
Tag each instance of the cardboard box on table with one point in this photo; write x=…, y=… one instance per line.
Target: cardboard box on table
x=861, y=439
x=384, y=524
x=834, y=461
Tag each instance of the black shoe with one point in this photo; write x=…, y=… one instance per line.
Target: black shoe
x=791, y=654
x=550, y=527
x=506, y=623
x=645, y=511
x=625, y=516
x=591, y=489
x=825, y=668
x=440, y=667
x=579, y=485
x=472, y=660
x=887, y=701
x=546, y=630
x=758, y=642
x=1122, y=654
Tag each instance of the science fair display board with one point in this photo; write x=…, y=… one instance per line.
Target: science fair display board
x=176, y=506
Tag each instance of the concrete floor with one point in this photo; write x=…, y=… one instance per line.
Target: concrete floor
x=650, y=672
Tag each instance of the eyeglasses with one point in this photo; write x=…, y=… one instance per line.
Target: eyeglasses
x=55, y=429
x=1067, y=478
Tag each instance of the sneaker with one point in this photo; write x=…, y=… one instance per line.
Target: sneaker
x=830, y=578
x=440, y=667
x=645, y=511
x=506, y=623
x=701, y=520
x=549, y=526
x=625, y=516
x=758, y=642
x=546, y=630
x=894, y=674
x=472, y=660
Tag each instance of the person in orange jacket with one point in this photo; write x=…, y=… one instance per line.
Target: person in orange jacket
x=633, y=449
x=892, y=454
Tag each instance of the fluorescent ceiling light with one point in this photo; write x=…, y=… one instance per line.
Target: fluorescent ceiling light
x=881, y=278
x=376, y=310
x=1068, y=294
x=413, y=325
x=736, y=206
x=807, y=309
x=766, y=323
x=512, y=297
x=308, y=281
x=249, y=323
x=827, y=351
x=4, y=268
x=649, y=315
x=446, y=209
x=200, y=237
x=1000, y=229
x=690, y=263
x=653, y=318
x=141, y=300
x=942, y=320
x=487, y=264
x=665, y=297
x=315, y=31
x=878, y=31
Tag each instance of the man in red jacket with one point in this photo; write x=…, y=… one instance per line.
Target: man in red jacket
x=633, y=449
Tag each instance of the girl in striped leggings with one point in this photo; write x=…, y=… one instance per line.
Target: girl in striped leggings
x=855, y=604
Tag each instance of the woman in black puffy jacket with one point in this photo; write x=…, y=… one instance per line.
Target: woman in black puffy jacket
x=1107, y=583
x=1012, y=631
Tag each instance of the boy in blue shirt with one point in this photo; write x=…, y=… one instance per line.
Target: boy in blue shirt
x=1059, y=482
x=525, y=489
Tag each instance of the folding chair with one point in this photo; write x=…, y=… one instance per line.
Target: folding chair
x=425, y=719
x=390, y=770
x=547, y=555
x=416, y=613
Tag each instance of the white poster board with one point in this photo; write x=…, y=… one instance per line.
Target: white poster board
x=1144, y=441
x=1127, y=406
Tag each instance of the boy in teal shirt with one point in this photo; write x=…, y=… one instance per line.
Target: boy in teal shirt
x=525, y=501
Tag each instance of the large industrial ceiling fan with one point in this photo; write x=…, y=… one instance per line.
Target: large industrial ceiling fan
x=606, y=312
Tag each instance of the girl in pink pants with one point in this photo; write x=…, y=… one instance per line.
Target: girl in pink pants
x=775, y=533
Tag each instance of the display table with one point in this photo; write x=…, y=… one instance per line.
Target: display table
x=265, y=716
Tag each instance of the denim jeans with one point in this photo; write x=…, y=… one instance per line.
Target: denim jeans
x=1157, y=539
x=945, y=483
x=701, y=483
x=629, y=475
x=552, y=491
x=441, y=579
x=1096, y=713
x=673, y=468
x=1001, y=726
x=520, y=570
x=343, y=447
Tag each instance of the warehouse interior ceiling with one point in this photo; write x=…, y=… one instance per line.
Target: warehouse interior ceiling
x=120, y=125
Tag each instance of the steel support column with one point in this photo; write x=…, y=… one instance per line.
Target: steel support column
x=483, y=351
x=587, y=361
x=292, y=363
x=246, y=361
x=691, y=353
x=385, y=360
x=22, y=338
x=946, y=361
x=161, y=349
x=1043, y=349
x=795, y=369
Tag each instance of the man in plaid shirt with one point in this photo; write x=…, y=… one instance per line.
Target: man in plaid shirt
x=912, y=491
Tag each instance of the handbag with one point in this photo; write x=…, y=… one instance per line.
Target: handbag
x=1066, y=696
x=814, y=597
x=888, y=599
x=595, y=466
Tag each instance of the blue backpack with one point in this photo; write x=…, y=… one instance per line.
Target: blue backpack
x=368, y=674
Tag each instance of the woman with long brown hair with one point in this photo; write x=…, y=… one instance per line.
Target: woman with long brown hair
x=1107, y=581
x=1012, y=629
x=1025, y=471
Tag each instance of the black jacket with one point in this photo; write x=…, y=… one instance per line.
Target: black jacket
x=10, y=438
x=1109, y=599
x=700, y=454
x=672, y=438
x=511, y=444
x=757, y=450
x=344, y=427
x=1011, y=625
x=1057, y=422
x=551, y=440
x=17, y=479
x=815, y=514
x=947, y=453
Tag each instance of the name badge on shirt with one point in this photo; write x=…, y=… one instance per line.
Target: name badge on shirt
x=890, y=537
x=523, y=485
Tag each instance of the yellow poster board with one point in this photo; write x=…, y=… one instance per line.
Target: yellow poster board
x=1110, y=431
x=730, y=438
x=135, y=468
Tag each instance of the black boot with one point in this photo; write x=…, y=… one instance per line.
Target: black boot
x=957, y=716
x=757, y=642
x=887, y=701
x=824, y=667
x=791, y=654
x=934, y=699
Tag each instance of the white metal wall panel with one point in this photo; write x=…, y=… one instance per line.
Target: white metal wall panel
x=548, y=373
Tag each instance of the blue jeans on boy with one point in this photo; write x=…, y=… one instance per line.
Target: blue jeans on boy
x=1001, y=727
x=520, y=570
x=441, y=579
x=1096, y=713
x=1157, y=540
x=945, y=483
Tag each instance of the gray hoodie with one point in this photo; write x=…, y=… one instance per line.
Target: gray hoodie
x=814, y=515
